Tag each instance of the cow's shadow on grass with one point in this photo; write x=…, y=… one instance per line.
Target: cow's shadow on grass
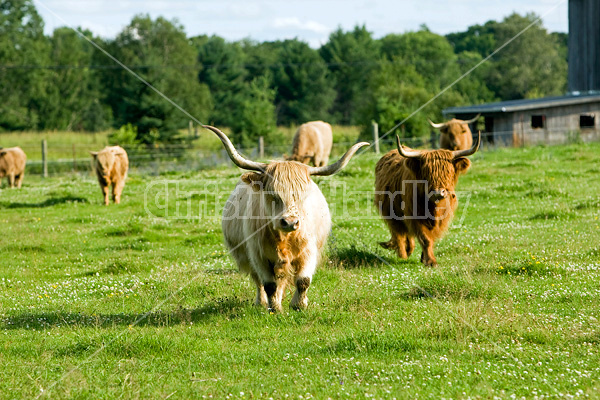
x=353, y=257
x=52, y=201
x=230, y=307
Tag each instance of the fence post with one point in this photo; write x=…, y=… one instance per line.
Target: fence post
x=432, y=137
x=190, y=128
x=44, y=158
x=375, y=127
x=261, y=147
x=74, y=159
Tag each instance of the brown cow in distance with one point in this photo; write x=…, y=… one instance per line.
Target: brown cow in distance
x=414, y=193
x=12, y=165
x=312, y=143
x=111, y=165
x=455, y=134
x=276, y=223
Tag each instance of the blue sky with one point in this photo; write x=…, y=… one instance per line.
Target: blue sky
x=309, y=20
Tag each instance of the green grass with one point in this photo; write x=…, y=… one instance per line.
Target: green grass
x=141, y=300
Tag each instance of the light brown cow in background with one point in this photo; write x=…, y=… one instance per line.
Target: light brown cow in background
x=312, y=142
x=276, y=223
x=111, y=165
x=455, y=134
x=12, y=165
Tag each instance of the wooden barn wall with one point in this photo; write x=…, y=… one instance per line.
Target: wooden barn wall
x=561, y=125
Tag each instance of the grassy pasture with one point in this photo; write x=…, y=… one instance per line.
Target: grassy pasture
x=63, y=145
x=141, y=301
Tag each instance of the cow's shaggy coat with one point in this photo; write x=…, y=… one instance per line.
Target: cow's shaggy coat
x=12, y=165
x=312, y=143
x=414, y=194
x=276, y=223
x=111, y=165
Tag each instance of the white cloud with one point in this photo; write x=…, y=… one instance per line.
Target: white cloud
x=294, y=22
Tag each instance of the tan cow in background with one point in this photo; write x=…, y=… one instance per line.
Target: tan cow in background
x=111, y=165
x=276, y=222
x=414, y=193
x=455, y=134
x=312, y=143
x=12, y=165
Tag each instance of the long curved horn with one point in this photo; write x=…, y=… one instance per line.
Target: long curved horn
x=470, y=121
x=233, y=153
x=341, y=163
x=406, y=153
x=438, y=126
x=468, y=152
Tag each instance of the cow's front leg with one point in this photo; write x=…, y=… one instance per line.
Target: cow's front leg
x=261, y=296
x=105, y=190
x=300, y=300
x=274, y=293
x=11, y=180
x=306, y=269
x=427, y=256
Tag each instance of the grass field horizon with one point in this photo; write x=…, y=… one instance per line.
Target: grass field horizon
x=141, y=300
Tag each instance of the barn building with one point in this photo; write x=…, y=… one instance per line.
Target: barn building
x=552, y=120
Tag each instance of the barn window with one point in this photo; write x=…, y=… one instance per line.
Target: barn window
x=587, y=121
x=538, y=121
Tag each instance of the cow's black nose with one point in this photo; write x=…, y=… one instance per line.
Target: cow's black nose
x=438, y=194
x=290, y=223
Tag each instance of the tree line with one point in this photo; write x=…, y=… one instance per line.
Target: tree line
x=62, y=82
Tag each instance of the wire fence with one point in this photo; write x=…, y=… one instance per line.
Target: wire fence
x=56, y=159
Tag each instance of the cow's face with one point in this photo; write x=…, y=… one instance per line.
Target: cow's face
x=282, y=187
x=455, y=130
x=440, y=170
x=105, y=161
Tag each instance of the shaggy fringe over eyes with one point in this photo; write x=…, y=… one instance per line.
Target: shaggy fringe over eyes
x=439, y=167
x=287, y=179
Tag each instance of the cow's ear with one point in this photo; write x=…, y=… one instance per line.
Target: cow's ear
x=414, y=164
x=254, y=179
x=94, y=154
x=461, y=165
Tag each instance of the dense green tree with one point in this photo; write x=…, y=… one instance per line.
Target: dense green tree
x=480, y=39
x=532, y=65
x=430, y=54
x=72, y=101
x=256, y=114
x=352, y=57
x=422, y=66
x=224, y=74
x=159, y=51
x=304, y=90
x=24, y=52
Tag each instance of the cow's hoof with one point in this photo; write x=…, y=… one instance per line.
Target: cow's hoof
x=299, y=306
x=387, y=245
x=430, y=263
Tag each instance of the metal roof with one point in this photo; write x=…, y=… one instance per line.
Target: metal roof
x=527, y=104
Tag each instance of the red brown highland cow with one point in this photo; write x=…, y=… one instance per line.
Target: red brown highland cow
x=276, y=223
x=455, y=134
x=414, y=193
